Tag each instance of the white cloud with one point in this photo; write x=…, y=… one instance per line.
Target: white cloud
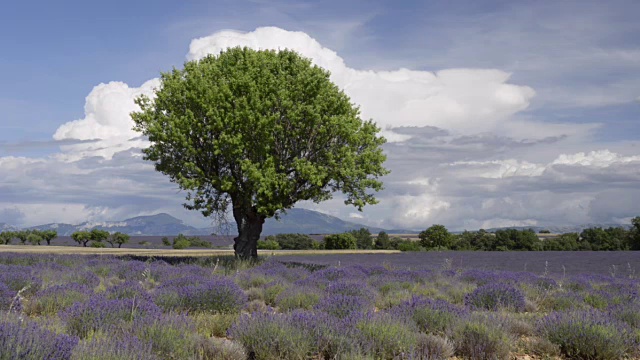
x=463, y=100
x=497, y=169
x=106, y=120
x=598, y=159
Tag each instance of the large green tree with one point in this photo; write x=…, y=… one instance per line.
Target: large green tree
x=254, y=132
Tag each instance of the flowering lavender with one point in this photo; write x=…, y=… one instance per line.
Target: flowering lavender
x=128, y=290
x=30, y=342
x=17, y=278
x=6, y=297
x=298, y=297
x=56, y=298
x=495, y=297
x=431, y=316
x=218, y=294
x=342, y=306
x=113, y=348
x=268, y=336
x=99, y=313
x=589, y=334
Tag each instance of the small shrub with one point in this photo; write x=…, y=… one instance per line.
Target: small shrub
x=589, y=335
x=98, y=244
x=268, y=336
x=343, y=306
x=340, y=242
x=99, y=314
x=386, y=337
x=222, y=349
x=431, y=316
x=409, y=245
x=110, y=348
x=165, y=241
x=292, y=241
x=297, y=298
x=478, y=340
x=56, y=298
x=171, y=336
x=180, y=244
x=268, y=245
x=209, y=325
x=433, y=347
x=217, y=295
x=495, y=297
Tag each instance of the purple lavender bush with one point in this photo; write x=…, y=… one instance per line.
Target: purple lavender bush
x=30, y=342
x=271, y=336
x=495, y=297
x=479, y=339
x=431, y=316
x=128, y=290
x=99, y=314
x=343, y=306
x=216, y=295
x=590, y=334
x=6, y=297
x=55, y=298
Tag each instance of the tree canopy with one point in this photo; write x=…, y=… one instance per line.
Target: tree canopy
x=255, y=132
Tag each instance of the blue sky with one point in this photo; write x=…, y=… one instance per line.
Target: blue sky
x=521, y=106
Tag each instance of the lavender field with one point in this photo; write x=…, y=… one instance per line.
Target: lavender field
x=104, y=307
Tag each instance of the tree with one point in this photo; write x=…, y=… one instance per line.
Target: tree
x=634, y=234
x=34, y=238
x=6, y=237
x=292, y=241
x=435, y=236
x=22, y=236
x=81, y=237
x=49, y=235
x=98, y=236
x=364, y=240
x=118, y=238
x=342, y=241
x=254, y=132
x=382, y=241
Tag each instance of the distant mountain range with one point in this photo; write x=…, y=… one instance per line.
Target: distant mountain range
x=294, y=221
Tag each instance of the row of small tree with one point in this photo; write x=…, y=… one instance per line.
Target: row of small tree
x=96, y=237
x=596, y=239
x=437, y=237
x=31, y=236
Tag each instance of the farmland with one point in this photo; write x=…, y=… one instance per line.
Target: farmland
x=432, y=305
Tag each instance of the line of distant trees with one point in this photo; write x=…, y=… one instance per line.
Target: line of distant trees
x=437, y=237
x=93, y=238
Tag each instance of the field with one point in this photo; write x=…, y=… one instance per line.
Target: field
x=434, y=305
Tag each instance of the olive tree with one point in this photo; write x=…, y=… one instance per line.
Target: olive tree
x=254, y=132
x=81, y=237
x=118, y=238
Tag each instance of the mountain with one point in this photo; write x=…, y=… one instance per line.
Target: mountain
x=310, y=222
x=152, y=225
x=294, y=221
x=7, y=227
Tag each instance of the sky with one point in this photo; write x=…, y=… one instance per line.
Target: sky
x=496, y=113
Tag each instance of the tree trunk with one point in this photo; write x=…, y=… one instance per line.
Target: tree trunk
x=249, y=229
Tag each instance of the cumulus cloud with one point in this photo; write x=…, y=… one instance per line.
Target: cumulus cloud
x=462, y=100
x=107, y=121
